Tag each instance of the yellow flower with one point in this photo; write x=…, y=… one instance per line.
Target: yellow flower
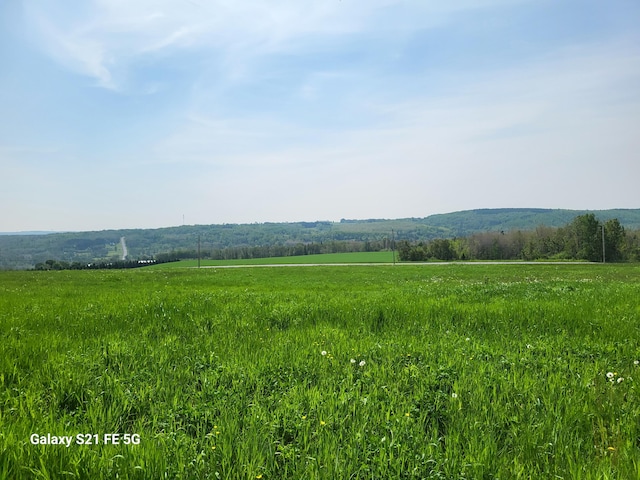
x=322, y=422
x=259, y=476
x=407, y=414
x=611, y=449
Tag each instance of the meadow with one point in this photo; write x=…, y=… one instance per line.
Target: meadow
x=328, y=372
x=322, y=258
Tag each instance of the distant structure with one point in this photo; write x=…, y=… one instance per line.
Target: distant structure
x=124, y=248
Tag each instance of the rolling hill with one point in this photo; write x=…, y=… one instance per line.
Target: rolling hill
x=19, y=251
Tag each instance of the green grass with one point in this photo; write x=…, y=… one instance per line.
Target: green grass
x=325, y=258
x=468, y=371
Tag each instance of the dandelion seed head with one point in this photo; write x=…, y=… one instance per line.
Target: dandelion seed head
x=610, y=375
x=620, y=379
x=362, y=363
x=353, y=360
x=636, y=362
x=323, y=353
x=454, y=395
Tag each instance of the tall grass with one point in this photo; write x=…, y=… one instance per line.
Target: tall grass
x=328, y=372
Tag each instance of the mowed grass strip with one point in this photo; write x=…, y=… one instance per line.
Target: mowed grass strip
x=456, y=371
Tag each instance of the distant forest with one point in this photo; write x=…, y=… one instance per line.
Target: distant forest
x=485, y=233
x=585, y=238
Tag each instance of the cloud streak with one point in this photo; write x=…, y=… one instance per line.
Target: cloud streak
x=110, y=35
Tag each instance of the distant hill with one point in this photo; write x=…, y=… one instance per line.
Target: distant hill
x=24, y=251
x=472, y=221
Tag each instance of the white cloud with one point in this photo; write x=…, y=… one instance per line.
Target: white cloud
x=81, y=55
x=105, y=38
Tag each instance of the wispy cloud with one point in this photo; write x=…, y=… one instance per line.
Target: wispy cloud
x=106, y=36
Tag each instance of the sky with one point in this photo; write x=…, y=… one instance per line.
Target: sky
x=155, y=113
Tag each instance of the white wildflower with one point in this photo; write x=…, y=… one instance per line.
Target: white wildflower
x=323, y=353
x=454, y=395
x=610, y=375
x=353, y=360
x=620, y=379
x=362, y=363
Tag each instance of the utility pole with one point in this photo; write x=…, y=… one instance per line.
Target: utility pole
x=603, y=259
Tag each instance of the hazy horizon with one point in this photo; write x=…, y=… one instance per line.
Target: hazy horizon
x=48, y=232
x=121, y=115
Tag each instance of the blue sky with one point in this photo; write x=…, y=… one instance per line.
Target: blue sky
x=139, y=113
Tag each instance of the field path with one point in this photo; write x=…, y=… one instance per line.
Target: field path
x=124, y=248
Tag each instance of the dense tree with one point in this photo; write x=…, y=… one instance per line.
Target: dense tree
x=441, y=249
x=614, y=236
x=579, y=240
x=583, y=240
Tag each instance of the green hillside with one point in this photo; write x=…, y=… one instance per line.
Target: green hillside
x=25, y=251
x=496, y=219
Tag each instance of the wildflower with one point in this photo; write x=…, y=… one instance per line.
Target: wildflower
x=454, y=395
x=322, y=423
x=407, y=414
x=304, y=417
x=528, y=345
x=467, y=339
x=353, y=360
x=323, y=353
x=636, y=362
x=620, y=379
x=362, y=363
x=611, y=449
x=610, y=375
x=213, y=447
x=259, y=476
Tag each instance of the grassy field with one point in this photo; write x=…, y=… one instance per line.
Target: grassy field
x=447, y=371
x=325, y=258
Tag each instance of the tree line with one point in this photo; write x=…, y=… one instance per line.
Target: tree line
x=582, y=239
x=107, y=265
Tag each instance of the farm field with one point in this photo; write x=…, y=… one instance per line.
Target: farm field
x=324, y=258
x=330, y=372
